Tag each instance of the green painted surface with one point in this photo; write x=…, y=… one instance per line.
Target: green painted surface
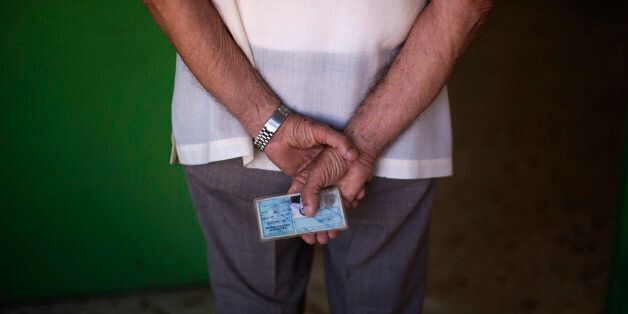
x=89, y=201
x=617, y=302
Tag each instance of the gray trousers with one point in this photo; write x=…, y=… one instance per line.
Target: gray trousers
x=378, y=265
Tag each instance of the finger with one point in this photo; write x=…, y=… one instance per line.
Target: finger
x=327, y=169
x=346, y=204
x=322, y=237
x=361, y=194
x=349, y=189
x=309, y=194
x=297, y=183
x=309, y=197
x=309, y=238
x=295, y=187
x=327, y=136
x=332, y=234
x=354, y=204
x=351, y=184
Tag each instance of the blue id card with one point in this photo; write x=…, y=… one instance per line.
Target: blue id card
x=282, y=216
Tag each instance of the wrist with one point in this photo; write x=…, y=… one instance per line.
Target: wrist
x=254, y=119
x=367, y=144
x=271, y=126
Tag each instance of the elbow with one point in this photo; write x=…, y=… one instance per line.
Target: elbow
x=475, y=12
x=480, y=9
x=152, y=3
x=484, y=9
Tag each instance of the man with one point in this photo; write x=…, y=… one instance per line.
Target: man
x=346, y=93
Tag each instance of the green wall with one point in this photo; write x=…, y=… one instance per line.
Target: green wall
x=89, y=202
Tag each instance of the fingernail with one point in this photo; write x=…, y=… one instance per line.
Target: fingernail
x=351, y=154
x=309, y=211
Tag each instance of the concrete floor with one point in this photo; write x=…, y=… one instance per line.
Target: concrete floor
x=525, y=225
x=183, y=301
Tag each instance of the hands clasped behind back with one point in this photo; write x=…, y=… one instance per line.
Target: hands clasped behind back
x=316, y=156
x=300, y=140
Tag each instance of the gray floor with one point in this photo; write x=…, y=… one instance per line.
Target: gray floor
x=192, y=301
x=184, y=301
x=525, y=224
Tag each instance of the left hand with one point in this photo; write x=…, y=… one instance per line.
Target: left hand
x=297, y=143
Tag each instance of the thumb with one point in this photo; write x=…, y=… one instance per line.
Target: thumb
x=309, y=194
x=298, y=181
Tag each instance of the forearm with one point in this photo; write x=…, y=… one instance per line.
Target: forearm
x=418, y=73
x=202, y=40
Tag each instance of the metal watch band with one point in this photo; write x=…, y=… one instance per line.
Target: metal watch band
x=271, y=126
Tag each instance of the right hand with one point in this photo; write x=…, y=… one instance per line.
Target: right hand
x=329, y=168
x=301, y=141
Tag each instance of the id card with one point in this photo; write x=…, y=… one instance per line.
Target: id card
x=282, y=216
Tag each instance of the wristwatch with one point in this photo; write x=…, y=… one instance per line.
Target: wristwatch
x=271, y=126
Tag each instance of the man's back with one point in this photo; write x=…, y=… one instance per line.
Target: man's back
x=321, y=58
x=326, y=60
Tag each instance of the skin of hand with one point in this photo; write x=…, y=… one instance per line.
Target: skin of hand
x=436, y=41
x=297, y=143
x=325, y=171
x=300, y=140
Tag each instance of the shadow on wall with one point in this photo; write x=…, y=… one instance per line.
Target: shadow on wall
x=525, y=225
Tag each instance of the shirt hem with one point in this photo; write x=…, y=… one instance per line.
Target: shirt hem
x=197, y=154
